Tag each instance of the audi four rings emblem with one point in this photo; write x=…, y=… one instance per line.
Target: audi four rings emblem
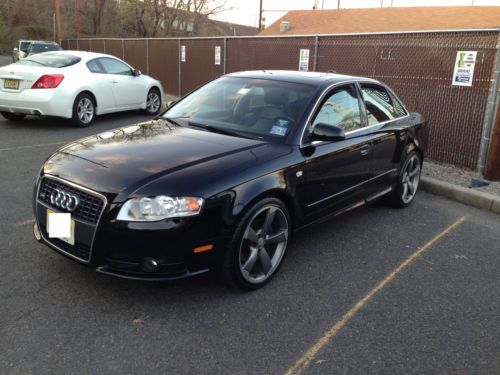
x=63, y=199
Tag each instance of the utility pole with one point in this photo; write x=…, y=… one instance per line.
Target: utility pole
x=57, y=16
x=260, y=15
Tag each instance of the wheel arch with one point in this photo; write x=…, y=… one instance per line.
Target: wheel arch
x=88, y=92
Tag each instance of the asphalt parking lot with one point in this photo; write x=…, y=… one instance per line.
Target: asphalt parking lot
x=325, y=312
x=377, y=290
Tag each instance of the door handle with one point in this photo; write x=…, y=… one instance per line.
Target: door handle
x=365, y=150
x=114, y=81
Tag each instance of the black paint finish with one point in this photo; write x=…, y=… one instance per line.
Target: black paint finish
x=313, y=179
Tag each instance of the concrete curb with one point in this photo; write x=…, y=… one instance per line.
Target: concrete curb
x=457, y=193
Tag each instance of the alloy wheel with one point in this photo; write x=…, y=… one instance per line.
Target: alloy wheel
x=85, y=110
x=411, y=179
x=153, y=102
x=263, y=244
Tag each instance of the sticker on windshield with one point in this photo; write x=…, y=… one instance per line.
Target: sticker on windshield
x=282, y=122
x=278, y=130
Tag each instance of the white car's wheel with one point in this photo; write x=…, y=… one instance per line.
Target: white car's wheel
x=83, y=110
x=153, y=102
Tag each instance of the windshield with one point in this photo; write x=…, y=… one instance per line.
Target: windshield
x=24, y=46
x=37, y=48
x=255, y=107
x=52, y=60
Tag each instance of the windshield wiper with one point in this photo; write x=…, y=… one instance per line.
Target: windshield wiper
x=172, y=121
x=214, y=129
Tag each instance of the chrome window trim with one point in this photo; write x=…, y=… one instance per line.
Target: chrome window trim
x=323, y=95
x=87, y=190
x=352, y=187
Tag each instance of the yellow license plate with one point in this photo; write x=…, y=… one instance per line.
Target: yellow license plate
x=11, y=84
x=71, y=238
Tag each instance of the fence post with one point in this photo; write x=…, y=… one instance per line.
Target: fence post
x=90, y=45
x=104, y=45
x=225, y=54
x=78, y=44
x=491, y=113
x=123, y=49
x=180, y=68
x=147, y=56
x=315, y=57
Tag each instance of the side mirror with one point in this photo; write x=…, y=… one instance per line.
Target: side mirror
x=171, y=103
x=16, y=50
x=136, y=73
x=325, y=132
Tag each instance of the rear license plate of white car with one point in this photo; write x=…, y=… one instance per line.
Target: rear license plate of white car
x=12, y=84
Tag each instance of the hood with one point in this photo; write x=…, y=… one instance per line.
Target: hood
x=125, y=159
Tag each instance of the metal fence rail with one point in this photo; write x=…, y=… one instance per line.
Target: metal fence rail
x=419, y=66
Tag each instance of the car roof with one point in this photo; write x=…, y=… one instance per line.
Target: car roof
x=41, y=42
x=84, y=55
x=311, y=78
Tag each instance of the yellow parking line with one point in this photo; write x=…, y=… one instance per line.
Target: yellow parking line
x=305, y=360
x=32, y=146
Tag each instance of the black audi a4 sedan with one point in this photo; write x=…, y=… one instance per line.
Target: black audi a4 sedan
x=224, y=176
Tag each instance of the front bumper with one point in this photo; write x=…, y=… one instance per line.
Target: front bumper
x=163, y=250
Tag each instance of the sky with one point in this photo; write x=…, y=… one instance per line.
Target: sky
x=246, y=12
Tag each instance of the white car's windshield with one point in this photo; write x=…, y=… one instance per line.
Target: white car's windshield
x=259, y=108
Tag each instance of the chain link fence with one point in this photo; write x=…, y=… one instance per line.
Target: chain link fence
x=419, y=66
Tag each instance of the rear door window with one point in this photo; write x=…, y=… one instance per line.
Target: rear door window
x=113, y=66
x=378, y=103
x=94, y=66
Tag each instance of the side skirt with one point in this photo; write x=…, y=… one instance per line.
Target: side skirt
x=351, y=207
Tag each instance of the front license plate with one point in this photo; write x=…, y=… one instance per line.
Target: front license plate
x=12, y=84
x=57, y=224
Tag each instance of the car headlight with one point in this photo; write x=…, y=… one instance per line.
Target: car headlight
x=159, y=208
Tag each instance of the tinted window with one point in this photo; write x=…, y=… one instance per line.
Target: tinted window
x=112, y=66
x=24, y=46
x=378, y=103
x=39, y=47
x=52, y=60
x=398, y=107
x=258, y=107
x=94, y=66
x=341, y=108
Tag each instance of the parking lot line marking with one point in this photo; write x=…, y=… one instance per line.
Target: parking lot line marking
x=305, y=360
x=25, y=222
x=32, y=146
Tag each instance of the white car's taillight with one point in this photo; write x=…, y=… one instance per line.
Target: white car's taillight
x=48, y=81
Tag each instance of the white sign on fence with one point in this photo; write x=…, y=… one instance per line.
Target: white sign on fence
x=217, y=55
x=464, y=68
x=183, y=53
x=304, y=60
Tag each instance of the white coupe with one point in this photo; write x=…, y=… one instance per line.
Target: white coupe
x=75, y=85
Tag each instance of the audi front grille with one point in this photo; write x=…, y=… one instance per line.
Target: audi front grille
x=89, y=207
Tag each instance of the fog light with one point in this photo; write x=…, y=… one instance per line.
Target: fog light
x=149, y=265
x=36, y=232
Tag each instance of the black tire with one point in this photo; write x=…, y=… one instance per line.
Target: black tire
x=83, y=110
x=240, y=248
x=13, y=116
x=153, y=102
x=401, y=196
